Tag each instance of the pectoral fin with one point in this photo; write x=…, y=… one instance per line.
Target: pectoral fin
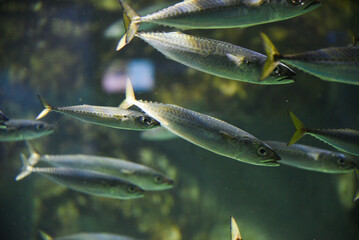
x=227, y=136
x=238, y=60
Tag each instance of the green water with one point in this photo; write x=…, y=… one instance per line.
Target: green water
x=58, y=49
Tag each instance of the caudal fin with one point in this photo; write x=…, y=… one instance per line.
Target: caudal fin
x=235, y=234
x=45, y=236
x=300, y=129
x=25, y=169
x=272, y=57
x=47, y=107
x=130, y=96
x=34, y=155
x=131, y=22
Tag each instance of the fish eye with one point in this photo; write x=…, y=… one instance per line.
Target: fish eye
x=158, y=179
x=261, y=151
x=40, y=127
x=146, y=120
x=131, y=189
x=296, y=2
x=341, y=161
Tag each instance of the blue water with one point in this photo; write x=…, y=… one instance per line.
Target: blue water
x=58, y=49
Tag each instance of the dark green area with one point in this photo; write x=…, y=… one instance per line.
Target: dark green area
x=58, y=49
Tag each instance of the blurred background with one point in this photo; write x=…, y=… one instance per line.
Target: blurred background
x=65, y=50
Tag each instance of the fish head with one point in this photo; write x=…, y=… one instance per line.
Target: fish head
x=282, y=74
x=33, y=129
x=43, y=128
x=291, y=8
x=134, y=191
x=257, y=152
x=162, y=182
x=337, y=161
x=146, y=122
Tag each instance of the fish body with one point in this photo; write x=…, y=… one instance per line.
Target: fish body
x=87, y=236
x=23, y=129
x=158, y=134
x=336, y=64
x=216, y=57
x=346, y=140
x=207, y=132
x=113, y=117
x=312, y=158
x=143, y=176
x=85, y=181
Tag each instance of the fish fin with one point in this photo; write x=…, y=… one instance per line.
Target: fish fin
x=300, y=129
x=236, y=235
x=34, y=155
x=3, y=118
x=130, y=96
x=227, y=136
x=272, y=57
x=47, y=107
x=130, y=20
x=238, y=60
x=45, y=236
x=25, y=169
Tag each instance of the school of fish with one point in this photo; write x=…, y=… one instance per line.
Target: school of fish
x=121, y=179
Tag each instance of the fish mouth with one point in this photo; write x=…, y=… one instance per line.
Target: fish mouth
x=315, y=3
x=270, y=163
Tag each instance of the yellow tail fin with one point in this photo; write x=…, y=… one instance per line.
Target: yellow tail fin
x=130, y=96
x=300, y=129
x=235, y=234
x=272, y=57
x=47, y=107
x=130, y=20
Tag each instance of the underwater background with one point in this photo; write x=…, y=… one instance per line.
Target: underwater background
x=65, y=51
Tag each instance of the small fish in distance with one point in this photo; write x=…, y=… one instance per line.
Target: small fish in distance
x=205, y=131
x=113, y=117
x=22, y=129
x=345, y=140
x=143, y=176
x=336, y=64
x=216, y=57
x=85, y=181
x=313, y=158
x=203, y=14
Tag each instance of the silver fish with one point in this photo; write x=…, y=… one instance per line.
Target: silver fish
x=346, y=140
x=85, y=181
x=113, y=117
x=336, y=64
x=198, y=14
x=312, y=158
x=207, y=132
x=216, y=57
x=145, y=177
x=86, y=236
x=22, y=129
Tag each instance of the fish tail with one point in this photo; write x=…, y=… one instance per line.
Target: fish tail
x=45, y=236
x=25, y=170
x=236, y=235
x=300, y=129
x=47, y=107
x=272, y=57
x=130, y=96
x=34, y=156
x=130, y=20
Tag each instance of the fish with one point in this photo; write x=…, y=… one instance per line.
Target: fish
x=140, y=175
x=313, y=159
x=235, y=233
x=23, y=129
x=205, y=14
x=86, y=236
x=205, y=131
x=335, y=64
x=113, y=117
x=216, y=57
x=85, y=181
x=345, y=139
